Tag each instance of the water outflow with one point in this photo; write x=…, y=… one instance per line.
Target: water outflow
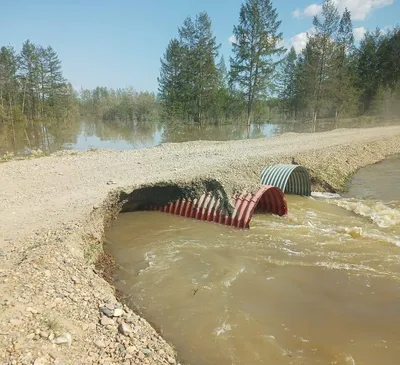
x=320, y=286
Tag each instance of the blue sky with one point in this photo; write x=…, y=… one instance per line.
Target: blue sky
x=118, y=43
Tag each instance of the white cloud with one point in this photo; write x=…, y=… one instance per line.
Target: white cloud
x=296, y=13
x=299, y=41
x=359, y=33
x=232, y=39
x=359, y=9
x=312, y=10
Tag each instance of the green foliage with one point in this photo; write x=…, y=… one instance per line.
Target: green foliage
x=333, y=78
x=124, y=105
x=32, y=86
x=287, y=84
x=189, y=79
x=255, y=46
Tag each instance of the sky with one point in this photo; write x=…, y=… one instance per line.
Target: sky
x=119, y=43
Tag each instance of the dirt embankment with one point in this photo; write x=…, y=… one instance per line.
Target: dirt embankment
x=55, y=308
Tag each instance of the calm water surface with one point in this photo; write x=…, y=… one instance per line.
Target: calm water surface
x=320, y=286
x=83, y=135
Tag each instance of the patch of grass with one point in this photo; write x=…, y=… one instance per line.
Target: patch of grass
x=91, y=251
x=53, y=324
x=9, y=156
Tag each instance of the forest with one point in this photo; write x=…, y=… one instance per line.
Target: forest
x=332, y=77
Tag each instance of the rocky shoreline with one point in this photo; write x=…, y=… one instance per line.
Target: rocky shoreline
x=56, y=307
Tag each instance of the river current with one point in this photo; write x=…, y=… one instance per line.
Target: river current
x=319, y=286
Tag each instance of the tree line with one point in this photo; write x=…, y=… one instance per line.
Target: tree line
x=32, y=86
x=329, y=78
x=332, y=77
x=123, y=105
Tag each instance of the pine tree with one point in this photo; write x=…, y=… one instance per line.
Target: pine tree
x=389, y=59
x=171, y=79
x=8, y=82
x=287, y=92
x=369, y=77
x=254, y=49
x=222, y=73
x=323, y=47
x=189, y=78
x=200, y=73
x=343, y=90
x=29, y=74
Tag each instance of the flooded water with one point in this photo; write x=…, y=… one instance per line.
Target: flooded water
x=378, y=182
x=320, y=286
x=86, y=134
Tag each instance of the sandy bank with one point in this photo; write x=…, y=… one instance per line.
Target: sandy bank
x=52, y=215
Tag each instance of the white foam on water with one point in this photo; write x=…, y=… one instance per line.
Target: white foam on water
x=379, y=213
x=324, y=195
x=349, y=360
x=292, y=252
x=225, y=327
x=347, y=267
x=354, y=232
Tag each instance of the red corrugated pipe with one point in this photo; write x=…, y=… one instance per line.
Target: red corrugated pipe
x=208, y=208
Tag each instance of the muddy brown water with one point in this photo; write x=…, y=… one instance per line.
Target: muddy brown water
x=320, y=286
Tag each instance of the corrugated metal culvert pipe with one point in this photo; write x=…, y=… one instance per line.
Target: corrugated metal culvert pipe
x=209, y=208
x=292, y=179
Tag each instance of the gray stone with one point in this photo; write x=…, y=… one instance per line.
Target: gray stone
x=65, y=339
x=146, y=351
x=106, y=311
x=105, y=321
x=75, y=279
x=171, y=360
x=124, y=329
x=121, y=348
